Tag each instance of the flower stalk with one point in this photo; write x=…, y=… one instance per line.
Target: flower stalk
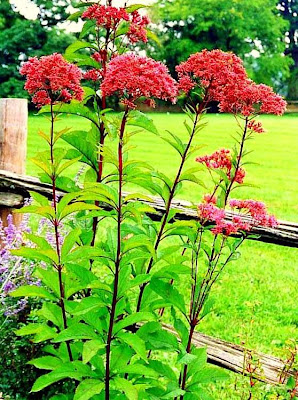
x=118, y=255
x=59, y=266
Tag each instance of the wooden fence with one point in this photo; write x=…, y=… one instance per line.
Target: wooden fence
x=15, y=187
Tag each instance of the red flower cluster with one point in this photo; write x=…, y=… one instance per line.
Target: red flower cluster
x=247, y=98
x=222, y=159
x=106, y=16
x=110, y=17
x=208, y=212
x=228, y=228
x=93, y=75
x=52, y=79
x=255, y=126
x=212, y=70
x=137, y=31
x=132, y=77
x=256, y=210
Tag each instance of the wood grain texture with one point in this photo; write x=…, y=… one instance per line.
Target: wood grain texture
x=13, y=142
x=237, y=358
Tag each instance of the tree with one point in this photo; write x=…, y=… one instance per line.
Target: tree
x=289, y=11
x=21, y=38
x=253, y=29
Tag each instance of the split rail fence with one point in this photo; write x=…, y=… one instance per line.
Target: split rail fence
x=15, y=187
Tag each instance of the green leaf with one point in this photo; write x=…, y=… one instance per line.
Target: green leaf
x=49, y=277
x=138, y=241
x=77, y=331
x=32, y=291
x=75, y=16
x=139, y=369
x=75, y=108
x=169, y=293
x=136, y=343
x=137, y=118
x=163, y=369
x=75, y=46
x=87, y=304
x=42, y=332
x=39, y=198
x=133, y=319
x=151, y=35
x=76, y=207
x=135, y=7
x=123, y=385
x=69, y=242
x=90, y=349
x=66, y=371
x=40, y=241
x=51, y=312
x=88, y=388
x=208, y=375
x=48, y=256
x=45, y=362
x=157, y=338
x=87, y=28
x=85, y=143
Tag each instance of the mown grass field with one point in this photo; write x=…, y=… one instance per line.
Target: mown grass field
x=256, y=300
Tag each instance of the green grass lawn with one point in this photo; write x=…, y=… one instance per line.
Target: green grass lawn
x=256, y=300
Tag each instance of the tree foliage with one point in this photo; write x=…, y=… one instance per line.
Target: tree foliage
x=21, y=38
x=289, y=11
x=253, y=29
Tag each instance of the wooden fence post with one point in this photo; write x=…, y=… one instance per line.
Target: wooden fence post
x=13, y=146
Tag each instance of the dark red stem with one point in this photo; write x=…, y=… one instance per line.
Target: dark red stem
x=56, y=223
x=118, y=257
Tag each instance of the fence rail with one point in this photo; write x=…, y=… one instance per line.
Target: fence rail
x=236, y=358
x=14, y=188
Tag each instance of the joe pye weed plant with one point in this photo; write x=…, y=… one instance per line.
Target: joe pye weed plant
x=106, y=283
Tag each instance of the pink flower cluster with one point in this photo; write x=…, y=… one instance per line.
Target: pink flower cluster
x=93, y=75
x=222, y=159
x=106, y=16
x=255, y=210
x=212, y=70
x=137, y=29
x=255, y=126
x=52, y=79
x=110, y=17
x=224, y=79
x=247, y=98
x=131, y=77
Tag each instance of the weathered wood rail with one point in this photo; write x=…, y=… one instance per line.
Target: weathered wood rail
x=14, y=187
x=236, y=358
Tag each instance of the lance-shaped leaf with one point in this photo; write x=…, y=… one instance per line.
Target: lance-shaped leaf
x=73, y=370
x=75, y=108
x=85, y=143
x=46, y=362
x=76, y=331
x=88, y=388
x=137, y=118
x=32, y=291
x=133, y=319
x=169, y=293
x=91, y=348
x=123, y=385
